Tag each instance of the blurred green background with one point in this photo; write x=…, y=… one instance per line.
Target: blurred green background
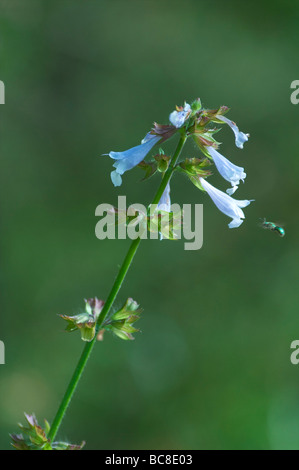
x=211, y=368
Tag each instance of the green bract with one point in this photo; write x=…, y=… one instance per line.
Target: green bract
x=121, y=322
x=36, y=438
x=86, y=321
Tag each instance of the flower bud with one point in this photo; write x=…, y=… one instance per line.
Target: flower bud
x=196, y=105
x=162, y=162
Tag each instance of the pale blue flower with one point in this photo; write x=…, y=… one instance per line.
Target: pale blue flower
x=165, y=203
x=148, y=137
x=180, y=116
x=241, y=138
x=227, y=170
x=130, y=158
x=226, y=204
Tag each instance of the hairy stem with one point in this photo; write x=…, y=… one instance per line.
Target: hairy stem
x=110, y=300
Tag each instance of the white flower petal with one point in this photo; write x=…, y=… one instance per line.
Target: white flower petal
x=116, y=178
x=226, y=204
x=232, y=190
x=240, y=137
x=235, y=223
x=165, y=203
x=178, y=118
x=230, y=172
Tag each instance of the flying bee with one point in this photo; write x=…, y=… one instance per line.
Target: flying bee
x=273, y=227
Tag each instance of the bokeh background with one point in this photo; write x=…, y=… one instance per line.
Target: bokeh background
x=211, y=368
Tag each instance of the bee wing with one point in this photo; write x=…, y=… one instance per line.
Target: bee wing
x=263, y=223
x=278, y=224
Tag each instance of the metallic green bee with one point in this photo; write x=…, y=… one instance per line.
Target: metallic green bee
x=273, y=227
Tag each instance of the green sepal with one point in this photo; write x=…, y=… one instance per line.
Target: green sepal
x=120, y=323
x=130, y=306
x=196, y=105
x=34, y=437
x=212, y=113
x=204, y=140
x=162, y=162
x=88, y=332
x=218, y=112
x=122, y=335
x=86, y=321
x=195, y=180
x=150, y=169
x=195, y=166
x=67, y=446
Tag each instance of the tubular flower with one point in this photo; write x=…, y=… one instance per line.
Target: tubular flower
x=130, y=158
x=227, y=170
x=226, y=204
x=165, y=203
x=180, y=116
x=241, y=138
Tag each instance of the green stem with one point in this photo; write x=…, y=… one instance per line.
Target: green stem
x=70, y=390
x=109, y=302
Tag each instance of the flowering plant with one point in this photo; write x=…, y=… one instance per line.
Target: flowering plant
x=187, y=121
